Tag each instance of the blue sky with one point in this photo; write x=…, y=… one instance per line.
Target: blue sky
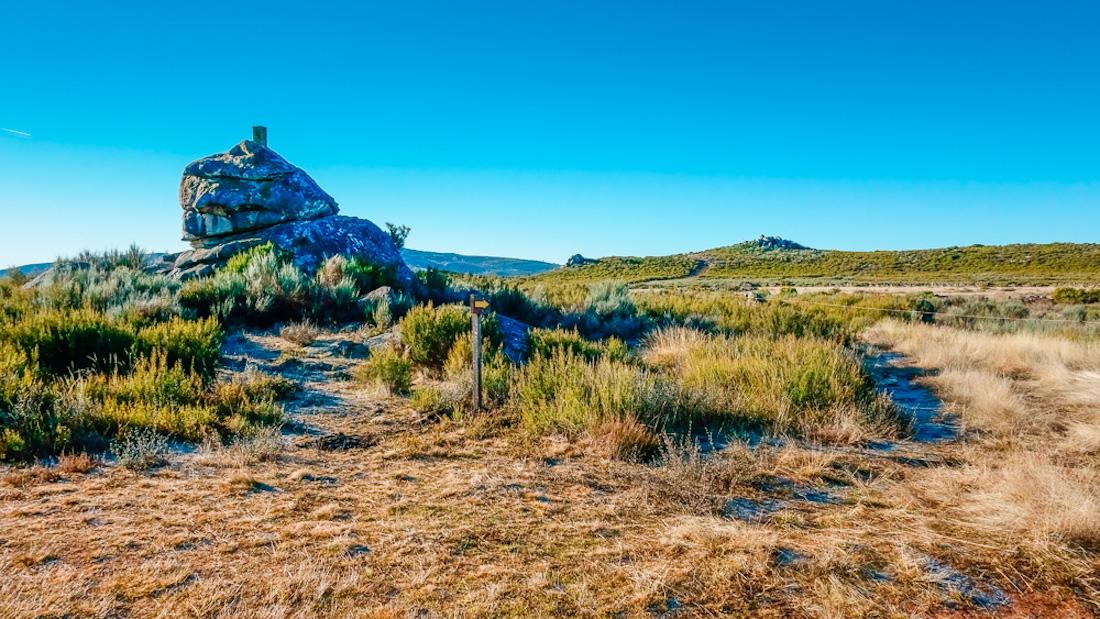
x=543, y=129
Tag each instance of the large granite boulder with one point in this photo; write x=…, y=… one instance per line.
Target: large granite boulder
x=249, y=196
x=248, y=188
x=309, y=243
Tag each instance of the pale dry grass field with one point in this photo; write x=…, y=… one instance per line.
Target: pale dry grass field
x=364, y=508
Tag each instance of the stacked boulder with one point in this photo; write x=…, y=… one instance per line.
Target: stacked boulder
x=251, y=195
x=248, y=188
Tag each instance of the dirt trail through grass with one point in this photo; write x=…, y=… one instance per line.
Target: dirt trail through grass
x=368, y=509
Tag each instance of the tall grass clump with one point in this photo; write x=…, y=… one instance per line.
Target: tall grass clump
x=834, y=318
x=564, y=392
x=545, y=342
x=799, y=385
x=609, y=310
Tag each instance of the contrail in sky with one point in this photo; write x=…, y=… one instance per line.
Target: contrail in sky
x=17, y=133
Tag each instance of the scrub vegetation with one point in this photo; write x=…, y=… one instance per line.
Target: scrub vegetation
x=270, y=441
x=764, y=261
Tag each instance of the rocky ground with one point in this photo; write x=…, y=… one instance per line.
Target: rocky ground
x=362, y=507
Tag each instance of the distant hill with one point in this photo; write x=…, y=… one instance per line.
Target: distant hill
x=771, y=259
x=29, y=270
x=474, y=265
x=417, y=259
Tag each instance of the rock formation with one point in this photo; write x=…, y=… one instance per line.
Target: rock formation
x=248, y=188
x=250, y=195
x=577, y=260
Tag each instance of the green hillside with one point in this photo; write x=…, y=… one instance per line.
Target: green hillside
x=777, y=260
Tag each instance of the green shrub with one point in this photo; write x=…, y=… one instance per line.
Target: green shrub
x=449, y=399
x=369, y=276
x=563, y=392
x=429, y=332
x=387, y=368
x=546, y=342
x=196, y=344
x=437, y=283
x=221, y=295
x=262, y=288
x=175, y=401
x=786, y=384
x=257, y=286
x=1076, y=296
x=71, y=340
x=17, y=369
x=239, y=262
x=249, y=401
x=39, y=422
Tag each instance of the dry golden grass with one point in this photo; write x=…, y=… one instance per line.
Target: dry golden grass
x=75, y=464
x=301, y=333
x=1031, y=481
x=479, y=519
x=1008, y=384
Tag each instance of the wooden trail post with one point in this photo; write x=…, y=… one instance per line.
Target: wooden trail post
x=259, y=135
x=477, y=307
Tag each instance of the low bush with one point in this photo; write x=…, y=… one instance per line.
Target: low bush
x=140, y=449
x=545, y=342
x=72, y=340
x=194, y=344
x=788, y=384
x=387, y=368
x=368, y=276
x=445, y=399
x=174, y=401
x=564, y=392
x=256, y=286
x=429, y=332
x=1076, y=296
x=609, y=311
x=65, y=341
x=261, y=287
x=436, y=283
x=249, y=401
x=39, y=422
x=239, y=262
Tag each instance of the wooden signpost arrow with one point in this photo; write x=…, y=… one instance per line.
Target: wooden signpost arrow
x=477, y=308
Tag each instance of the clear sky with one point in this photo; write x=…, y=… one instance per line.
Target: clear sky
x=541, y=129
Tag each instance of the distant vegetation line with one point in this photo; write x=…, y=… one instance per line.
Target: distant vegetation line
x=416, y=259
x=776, y=260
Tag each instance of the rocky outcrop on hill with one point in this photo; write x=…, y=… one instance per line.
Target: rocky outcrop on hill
x=248, y=188
x=577, y=260
x=769, y=243
x=251, y=195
